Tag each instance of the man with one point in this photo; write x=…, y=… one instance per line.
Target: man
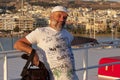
x=55, y=42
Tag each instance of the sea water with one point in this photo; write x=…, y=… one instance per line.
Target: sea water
x=7, y=43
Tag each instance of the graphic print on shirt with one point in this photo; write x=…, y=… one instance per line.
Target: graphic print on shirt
x=58, y=54
x=58, y=47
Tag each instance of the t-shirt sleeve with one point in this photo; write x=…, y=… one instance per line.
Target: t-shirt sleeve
x=33, y=36
x=70, y=36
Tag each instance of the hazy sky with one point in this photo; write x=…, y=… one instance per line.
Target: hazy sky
x=108, y=0
x=116, y=0
x=113, y=0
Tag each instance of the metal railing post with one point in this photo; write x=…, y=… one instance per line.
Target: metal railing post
x=85, y=63
x=5, y=67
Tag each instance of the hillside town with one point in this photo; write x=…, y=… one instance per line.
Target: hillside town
x=81, y=19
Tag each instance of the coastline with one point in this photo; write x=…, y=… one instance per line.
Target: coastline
x=12, y=35
x=2, y=35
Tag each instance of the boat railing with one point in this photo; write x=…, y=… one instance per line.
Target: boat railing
x=109, y=44
x=85, y=67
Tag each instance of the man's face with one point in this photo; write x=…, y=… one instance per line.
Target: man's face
x=57, y=20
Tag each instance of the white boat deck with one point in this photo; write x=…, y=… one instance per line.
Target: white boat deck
x=15, y=64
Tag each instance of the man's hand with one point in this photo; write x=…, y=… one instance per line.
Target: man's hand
x=36, y=59
x=94, y=41
x=83, y=40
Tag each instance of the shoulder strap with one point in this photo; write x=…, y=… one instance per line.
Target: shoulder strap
x=30, y=58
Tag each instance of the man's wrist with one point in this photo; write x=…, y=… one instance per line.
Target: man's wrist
x=32, y=51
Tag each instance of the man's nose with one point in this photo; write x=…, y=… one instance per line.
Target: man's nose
x=62, y=19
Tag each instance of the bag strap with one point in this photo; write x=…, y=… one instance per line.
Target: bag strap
x=30, y=58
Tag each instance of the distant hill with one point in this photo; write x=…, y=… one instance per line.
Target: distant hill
x=99, y=4
x=67, y=3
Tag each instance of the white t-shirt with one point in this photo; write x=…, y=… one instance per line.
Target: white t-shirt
x=57, y=49
x=54, y=44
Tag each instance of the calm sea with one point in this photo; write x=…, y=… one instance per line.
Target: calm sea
x=8, y=42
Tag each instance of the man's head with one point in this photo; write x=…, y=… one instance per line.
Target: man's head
x=58, y=17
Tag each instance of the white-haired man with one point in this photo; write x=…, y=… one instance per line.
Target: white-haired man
x=55, y=42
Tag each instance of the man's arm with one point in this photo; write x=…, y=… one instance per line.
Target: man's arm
x=24, y=45
x=82, y=40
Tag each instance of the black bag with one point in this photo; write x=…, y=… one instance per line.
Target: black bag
x=40, y=73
